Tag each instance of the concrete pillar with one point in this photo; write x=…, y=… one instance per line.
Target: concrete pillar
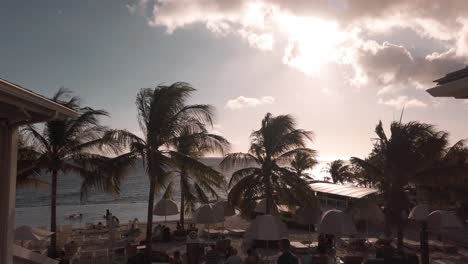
x=8, y=156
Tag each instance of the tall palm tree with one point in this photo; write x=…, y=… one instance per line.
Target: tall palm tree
x=413, y=153
x=65, y=147
x=301, y=162
x=198, y=186
x=339, y=171
x=163, y=113
x=263, y=175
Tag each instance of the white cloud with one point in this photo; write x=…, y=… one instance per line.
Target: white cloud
x=403, y=102
x=248, y=102
x=311, y=34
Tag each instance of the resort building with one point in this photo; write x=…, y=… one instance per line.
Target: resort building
x=18, y=106
x=337, y=196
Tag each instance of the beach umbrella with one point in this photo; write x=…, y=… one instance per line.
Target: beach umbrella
x=206, y=215
x=367, y=211
x=224, y=209
x=165, y=207
x=419, y=213
x=443, y=219
x=308, y=215
x=262, y=206
x=31, y=233
x=266, y=227
x=337, y=223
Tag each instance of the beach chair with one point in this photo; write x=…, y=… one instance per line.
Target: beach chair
x=299, y=247
x=236, y=232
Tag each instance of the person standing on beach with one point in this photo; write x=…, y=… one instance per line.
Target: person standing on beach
x=286, y=257
x=212, y=256
x=251, y=258
x=234, y=258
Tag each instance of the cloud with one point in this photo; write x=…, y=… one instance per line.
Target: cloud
x=312, y=34
x=403, y=102
x=248, y=102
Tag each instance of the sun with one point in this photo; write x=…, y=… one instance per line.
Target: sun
x=312, y=42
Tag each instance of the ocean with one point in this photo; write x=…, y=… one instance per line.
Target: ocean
x=33, y=205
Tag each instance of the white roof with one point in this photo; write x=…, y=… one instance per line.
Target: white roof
x=342, y=190
x=22, y=106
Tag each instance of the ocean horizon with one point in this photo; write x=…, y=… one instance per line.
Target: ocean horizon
x=33, y=204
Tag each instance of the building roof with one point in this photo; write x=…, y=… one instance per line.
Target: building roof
x=19, y=105
x=454, y=84
x=342, y=190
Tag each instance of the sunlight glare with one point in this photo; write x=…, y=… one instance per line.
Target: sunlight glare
x=312, y=42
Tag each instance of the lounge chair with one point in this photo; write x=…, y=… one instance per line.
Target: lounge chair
x=299, y=247
x=236, y=232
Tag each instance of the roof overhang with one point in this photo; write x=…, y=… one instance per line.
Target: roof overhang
x=342, y=190
x=20, y=106
x=457, y=89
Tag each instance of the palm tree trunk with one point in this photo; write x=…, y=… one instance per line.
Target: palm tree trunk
x=53, y=217
x=269, y=195
x=149, y=220
x=182, y=201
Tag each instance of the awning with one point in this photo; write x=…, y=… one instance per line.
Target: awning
x=21, y=106
x=342, y=190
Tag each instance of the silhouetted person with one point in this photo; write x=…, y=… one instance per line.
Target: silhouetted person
x=286, y=257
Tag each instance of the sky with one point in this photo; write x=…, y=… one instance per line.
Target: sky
x=337, y=66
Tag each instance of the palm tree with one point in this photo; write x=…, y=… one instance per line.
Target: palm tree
x=301, y=162
x=339, y=171
x=197, y=186
x=67, y=147
x=277, y=142
x=414, y=153
x=163, y=113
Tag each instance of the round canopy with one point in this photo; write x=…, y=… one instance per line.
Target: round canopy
x=443, y=219
x=262, y=205
x=419, y=213
x=165, y=207
x=222, y=209
x=308, y=215
x=31, y=233
x=267, y=227
x=206, y=215
x=337, y=223
x=367, y=210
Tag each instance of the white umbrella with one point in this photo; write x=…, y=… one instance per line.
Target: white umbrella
x=337, y=223
x=266, y=227
x=261, y=207
x=206, y=215
x=165, y=207
x=368, y=211
x=419, y=213
x=223, y=208
x=308, y=216
x=443, y=219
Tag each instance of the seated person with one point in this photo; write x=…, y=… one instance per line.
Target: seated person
x=100, y=226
